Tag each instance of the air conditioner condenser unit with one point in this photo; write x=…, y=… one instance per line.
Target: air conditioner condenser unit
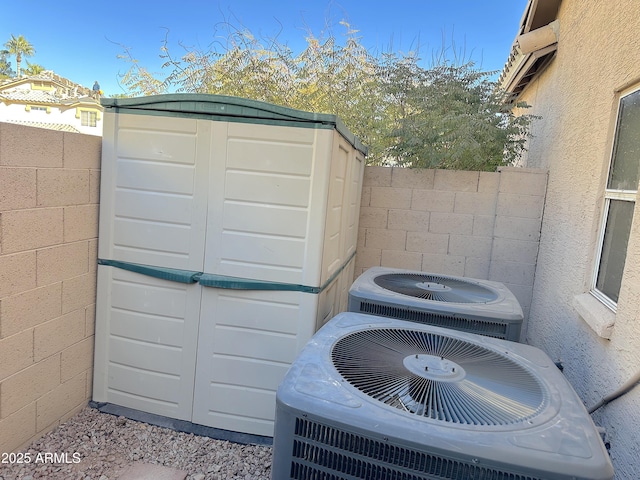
x=477, y=306
x=378, y=398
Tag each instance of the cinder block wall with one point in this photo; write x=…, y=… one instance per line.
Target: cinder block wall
x=482, y=225
x=49, y=196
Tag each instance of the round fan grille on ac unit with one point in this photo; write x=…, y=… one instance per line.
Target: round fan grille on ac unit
x=439, y=377
x=436, y=287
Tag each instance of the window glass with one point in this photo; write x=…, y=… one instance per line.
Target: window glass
x=625, y=163
x=88, y=119
x=614, y=248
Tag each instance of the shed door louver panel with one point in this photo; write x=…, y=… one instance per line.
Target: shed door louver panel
x=154, y=212
x=148, y=329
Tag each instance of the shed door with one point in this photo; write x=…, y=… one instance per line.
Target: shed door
x=153, y=202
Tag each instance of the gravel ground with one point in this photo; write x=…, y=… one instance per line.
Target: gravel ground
x=100, y=446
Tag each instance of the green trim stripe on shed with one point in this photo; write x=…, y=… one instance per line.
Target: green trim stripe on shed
x=164, y=273
x=228, y=109
x=220, y=281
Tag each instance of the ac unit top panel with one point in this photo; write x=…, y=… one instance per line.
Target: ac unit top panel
x=553, y=437
x=442, y=294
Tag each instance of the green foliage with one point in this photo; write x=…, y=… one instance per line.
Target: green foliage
x=19, y=46
x=450, y=115
x=33, y=68
x=5, y=66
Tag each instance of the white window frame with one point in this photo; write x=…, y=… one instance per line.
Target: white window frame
x=609, y=195
x=90, y=115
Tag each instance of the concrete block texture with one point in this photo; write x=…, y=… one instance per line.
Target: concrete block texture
x=29, y=229
x=377, y=176
x=385, y=239
x=510, y=250
x=443, y=264
x=470, y=246
x=80, y=222
x=523, y=182
x=28, y=385
x=94, y=186
x=517, y=205
x=477, y=268
x=512, y=272
x=78, y=292
x=81, y=151
x=17, y=272
x=17, y=188
x=374, y=217
x=17, y=428
x=22, y=146
x=451, y=223
x=55, y=335
x=416, y=178
x=389, y=197
x=475, y=203
x=518, y=228
x=58, y=187
x=76, y=359
x=456, y=180
x=488, y=182
x=397, y=259
x=49, y=194
x=16, y=353
x=55, y=264
x=433, y=201
x=425, y=242
x=55, y=404
x=30, y=308
x=408, y=220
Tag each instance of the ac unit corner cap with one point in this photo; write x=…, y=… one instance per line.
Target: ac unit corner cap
x=572, y=444
x=312, y=380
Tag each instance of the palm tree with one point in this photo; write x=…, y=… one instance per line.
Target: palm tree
x=33, y=68
x=19, y=46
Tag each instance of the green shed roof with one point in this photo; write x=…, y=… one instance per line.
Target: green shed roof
x=228, y=109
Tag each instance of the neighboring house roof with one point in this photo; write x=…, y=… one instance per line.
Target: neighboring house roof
x=58, y=95
x=63, y=84
x=35, y=96
x=61, y=127
x=534, y=47
x=58, y=90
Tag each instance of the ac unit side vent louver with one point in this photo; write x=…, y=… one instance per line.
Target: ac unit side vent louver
x=328, y=453
x=487, y=328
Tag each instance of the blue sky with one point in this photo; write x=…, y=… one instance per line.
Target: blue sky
x=81, y=40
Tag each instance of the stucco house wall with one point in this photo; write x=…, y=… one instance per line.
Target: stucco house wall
x=576, y=96
x=50, y=101
x=49, y=197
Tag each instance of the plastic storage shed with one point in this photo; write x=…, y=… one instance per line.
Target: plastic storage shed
x=228, y=230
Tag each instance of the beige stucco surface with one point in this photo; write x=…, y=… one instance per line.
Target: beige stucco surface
x=576, y=96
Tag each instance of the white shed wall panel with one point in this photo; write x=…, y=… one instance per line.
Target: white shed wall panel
x=247, y=341
x=273, y=181
x=352, y=204
x=154, y=190
x=253, y=201
x=147, y=330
